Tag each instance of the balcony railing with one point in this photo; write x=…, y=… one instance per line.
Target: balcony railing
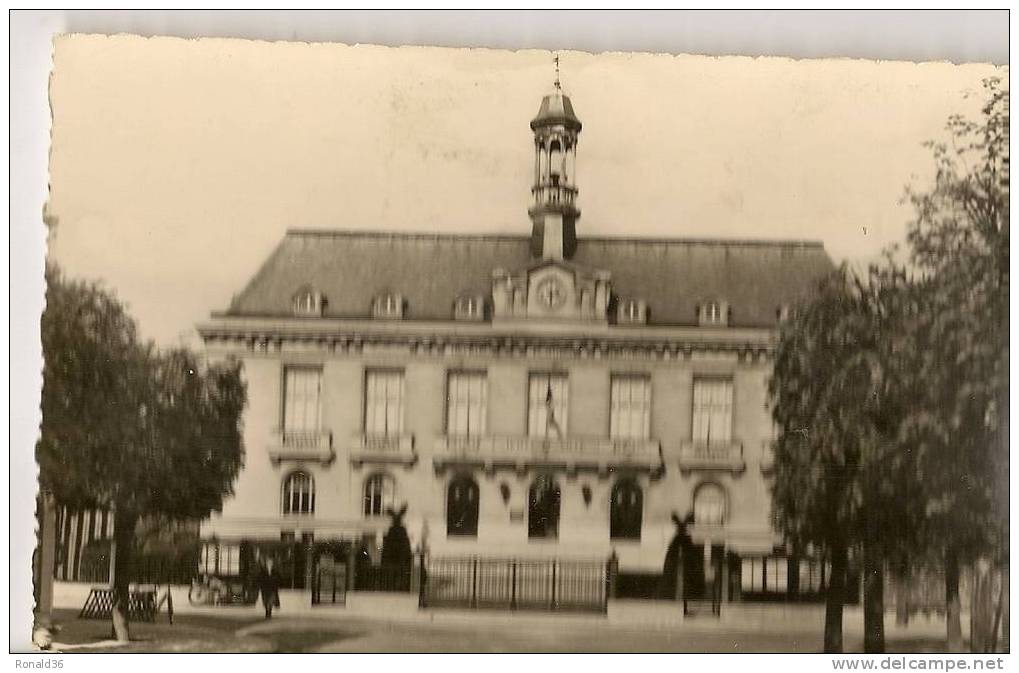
x=549, y=194
x=301, y=445
x=383, y=449
x=522, y=449
x=699, y=455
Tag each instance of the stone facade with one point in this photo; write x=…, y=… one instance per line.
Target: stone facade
x=467, y=369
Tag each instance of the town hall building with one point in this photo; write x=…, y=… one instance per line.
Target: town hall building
x=539, y=395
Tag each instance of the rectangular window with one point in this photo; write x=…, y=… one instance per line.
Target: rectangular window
x=630, y=416
x=712, y=411
x=383, y=403
x=547, y=405
x=466, y=403
x=302, y=395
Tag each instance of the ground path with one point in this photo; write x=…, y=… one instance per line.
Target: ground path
x=495, y=633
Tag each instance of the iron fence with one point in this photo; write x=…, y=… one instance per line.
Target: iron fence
x=144, y=570
x=382, y=578
x=525, y=584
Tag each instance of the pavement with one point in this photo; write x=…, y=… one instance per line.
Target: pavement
x=384, y=622
x=245, y=630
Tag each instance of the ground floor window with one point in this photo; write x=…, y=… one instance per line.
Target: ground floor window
x=462, y=507
x=299, y=494
x=765, y=574
x=626, y=510
x=709, y=505
x=379, y=494
x=543, y=508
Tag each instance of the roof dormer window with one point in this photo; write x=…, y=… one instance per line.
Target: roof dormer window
x=308, y=302
x=632, y=311
x=388, y=305
x=713, y=313
x=783, y=313
x=469, y=308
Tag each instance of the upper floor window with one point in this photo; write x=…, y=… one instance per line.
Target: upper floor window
x=547, y=405
x=630, y=416
x=302, y=393
x=712, y=410
x=379, y=494
x=388, y=305
x=783, y=312
x=709, y=505
x=469, y=308
x=383, y=402
x=299, y=494
x=466, y=403
x=308, y=301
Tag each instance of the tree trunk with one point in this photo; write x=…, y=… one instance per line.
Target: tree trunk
x=835, y=598
x=123, y=535
x=43, y=568
x=953, y=609
x=902, y=587
x=873, y=603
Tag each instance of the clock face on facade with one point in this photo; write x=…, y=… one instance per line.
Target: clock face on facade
x=551, y=293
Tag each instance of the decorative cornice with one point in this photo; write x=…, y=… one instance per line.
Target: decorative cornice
x=502, y=339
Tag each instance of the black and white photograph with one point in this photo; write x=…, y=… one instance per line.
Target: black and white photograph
x=423, y=349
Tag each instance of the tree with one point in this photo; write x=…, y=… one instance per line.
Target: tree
x=842, y=471
x=813, y=469
x=959, y=240
x=126, y=428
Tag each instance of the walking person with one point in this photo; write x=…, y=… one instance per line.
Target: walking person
x=268, y=586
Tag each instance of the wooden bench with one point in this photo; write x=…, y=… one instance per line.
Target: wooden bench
x=143, y=604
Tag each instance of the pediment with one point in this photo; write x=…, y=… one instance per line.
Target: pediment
x=551, y=290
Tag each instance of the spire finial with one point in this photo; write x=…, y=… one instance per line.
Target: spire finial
x=558, y=86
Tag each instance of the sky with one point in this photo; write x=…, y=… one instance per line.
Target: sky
x=178, y=165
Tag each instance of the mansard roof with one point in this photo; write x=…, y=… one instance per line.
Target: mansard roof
x=430, y=271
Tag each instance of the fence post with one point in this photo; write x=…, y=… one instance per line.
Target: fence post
x=422, y=580
x=554, y=564
x=474, y=584
x=513, y=585
x=611, y=569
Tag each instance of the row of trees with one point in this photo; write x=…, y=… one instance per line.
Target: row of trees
x=890, y=391
x=150, y=435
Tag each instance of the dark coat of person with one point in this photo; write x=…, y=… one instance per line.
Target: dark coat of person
x=269, y=585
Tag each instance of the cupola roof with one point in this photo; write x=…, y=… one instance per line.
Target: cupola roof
x=556, y=108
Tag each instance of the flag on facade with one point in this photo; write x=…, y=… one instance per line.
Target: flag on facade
x=550, y=419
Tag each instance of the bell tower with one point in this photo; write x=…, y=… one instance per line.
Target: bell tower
x=553, y=209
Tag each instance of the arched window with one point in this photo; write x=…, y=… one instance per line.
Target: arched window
x=555, y=162
x=388, y=305
x=299, y=494
x=543, y=508
x=379, y=494
x=469, y=308
x=626, y=510
x=307, y=301
x=462, y=507
x=709, y=505
x=713, y=312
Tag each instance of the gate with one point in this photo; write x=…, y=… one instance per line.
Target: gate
x=329, y=583
x=542, y=584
